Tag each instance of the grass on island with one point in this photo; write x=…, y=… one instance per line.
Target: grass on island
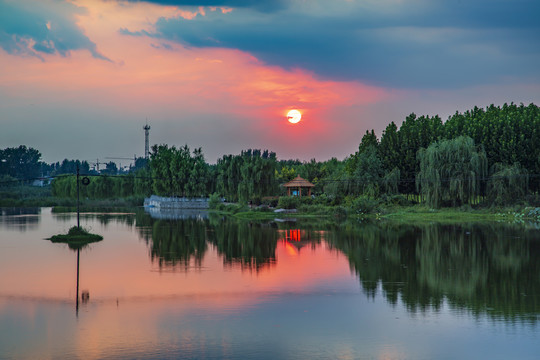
x=76, y=238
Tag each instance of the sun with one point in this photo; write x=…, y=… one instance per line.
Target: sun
x=294, y=116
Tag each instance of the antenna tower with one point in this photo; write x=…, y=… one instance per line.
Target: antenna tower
x=146, y=143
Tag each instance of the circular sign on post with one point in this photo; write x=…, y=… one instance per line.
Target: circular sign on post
x=85, y=180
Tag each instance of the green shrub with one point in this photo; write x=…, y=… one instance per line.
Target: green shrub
x=214, y=201
x=271, y=201
x=221, y=207
x=398, y=200
x=340, y=212
x=364, y=205
x=321, y=200
x=236, y=208
x=316, y=209
x=262, y=208
x=289, y=202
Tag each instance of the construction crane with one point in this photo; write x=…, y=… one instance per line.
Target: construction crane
x=134, y=159
x=96, y=164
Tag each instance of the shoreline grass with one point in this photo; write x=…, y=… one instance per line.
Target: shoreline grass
x=394, y=208
x=413, y=213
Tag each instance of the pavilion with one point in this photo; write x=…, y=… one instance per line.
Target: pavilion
x=295, y=186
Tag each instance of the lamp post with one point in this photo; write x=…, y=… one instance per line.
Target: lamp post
x=78, y=224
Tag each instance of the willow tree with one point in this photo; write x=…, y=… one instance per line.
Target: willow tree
x=248, y=176
x=177, y=172
x=451, y=171
x=507, y=184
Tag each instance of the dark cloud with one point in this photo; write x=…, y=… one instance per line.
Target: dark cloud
x=260, y=5
x=408, y=44
x=33, y=29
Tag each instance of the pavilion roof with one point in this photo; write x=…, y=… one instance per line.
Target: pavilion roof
x=298, y=182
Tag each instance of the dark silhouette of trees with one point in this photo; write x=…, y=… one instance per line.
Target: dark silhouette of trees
x=21, y=162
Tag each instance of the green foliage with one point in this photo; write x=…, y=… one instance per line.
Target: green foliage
x=396, y=200
x=110, y=168
x=507, y=184
x=69, y=167
x=340, y=212
x=364, y=205
x=25, y=195
x=289, y=202
x=389, y=147
x=398, y=148
x=20, y=162
x=237, y=208
x=100, y=187
x=286, y=174
x=369, y=141
x=509, y=134
x=248, y=176
x=390, y=166
x=214, y=201
x=271, y=201
x=391, y=181
x=8, y=181
x=450, y=172
x=176, y=172
x=368, y=172
x=142, y=182
x=76, y=238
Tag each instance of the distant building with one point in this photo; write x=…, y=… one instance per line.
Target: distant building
x=43, y=181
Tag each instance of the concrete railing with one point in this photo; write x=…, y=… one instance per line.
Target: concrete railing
x=176, y=202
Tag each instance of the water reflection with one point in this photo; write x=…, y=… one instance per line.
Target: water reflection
x=245, y=289
x=249, y=245
x=486, y=269
x=296, y=239
x=104, y=218
x=178, y=243
x=85, y=296
x=182, y=244
x=21, y=219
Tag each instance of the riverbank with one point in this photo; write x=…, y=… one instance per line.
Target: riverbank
x=412, y=213
x=32, y=196
x=364, y=209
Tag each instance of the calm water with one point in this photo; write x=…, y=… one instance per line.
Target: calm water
x=206, y=287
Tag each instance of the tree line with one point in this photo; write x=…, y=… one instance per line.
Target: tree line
x=489, y=155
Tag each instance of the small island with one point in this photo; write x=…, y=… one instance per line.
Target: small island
x=76, y=238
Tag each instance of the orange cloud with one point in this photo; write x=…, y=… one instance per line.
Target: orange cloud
x=172, y=84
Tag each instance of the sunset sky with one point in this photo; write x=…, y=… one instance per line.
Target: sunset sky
x=79, y=78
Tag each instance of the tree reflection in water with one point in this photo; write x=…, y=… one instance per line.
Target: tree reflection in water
x=177, y=242
x=22, y=219
x=183, y=243
x=491, y=269
x=249, y=245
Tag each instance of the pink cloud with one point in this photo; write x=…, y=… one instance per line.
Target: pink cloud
x=220, y=98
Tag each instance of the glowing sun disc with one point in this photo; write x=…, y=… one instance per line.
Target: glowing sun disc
x=294, y=116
